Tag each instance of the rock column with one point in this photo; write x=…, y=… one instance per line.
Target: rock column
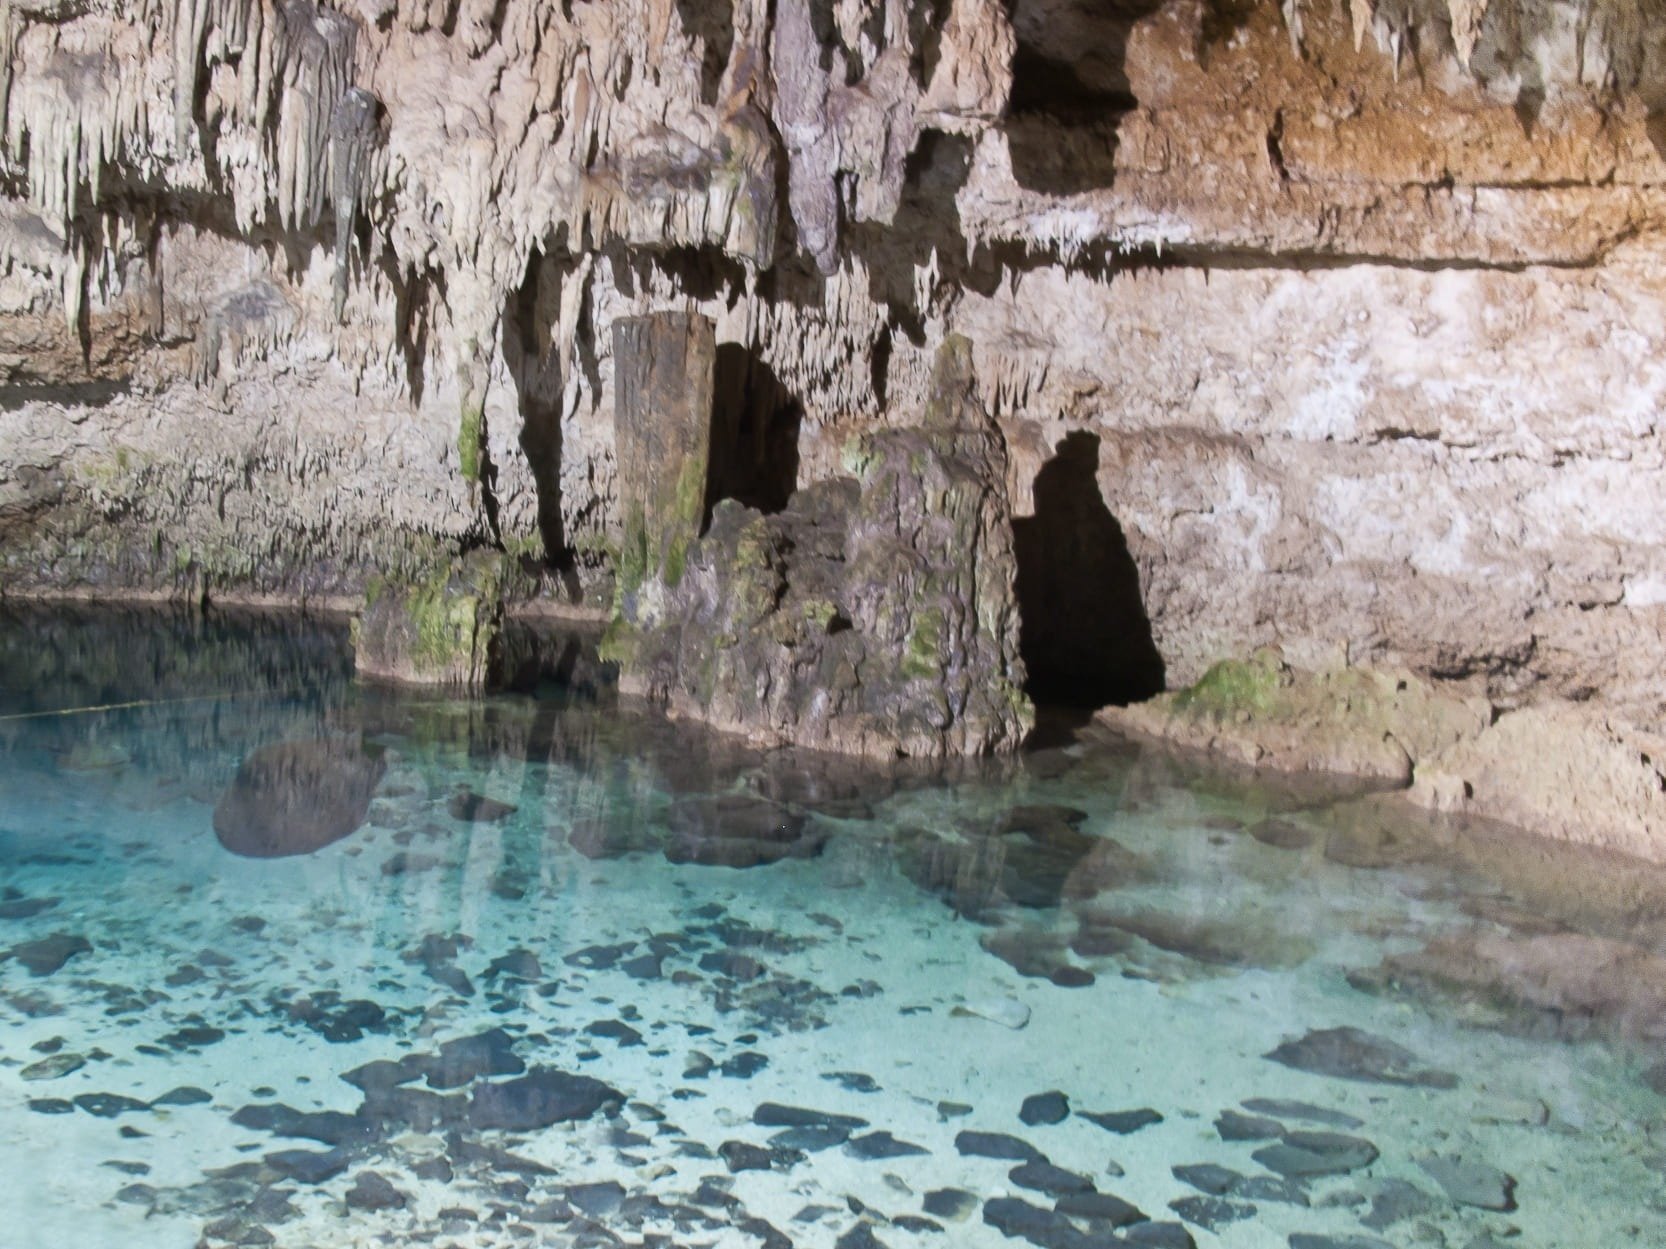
x=662, y=424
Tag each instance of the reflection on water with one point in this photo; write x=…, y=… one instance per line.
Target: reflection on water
x=289, y=961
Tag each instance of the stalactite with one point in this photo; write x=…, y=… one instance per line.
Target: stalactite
x=1467, y=16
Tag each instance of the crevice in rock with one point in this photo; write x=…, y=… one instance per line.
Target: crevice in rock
x=755, y=426
x=1070, y=91
x=529, y=319
x=1084, y=634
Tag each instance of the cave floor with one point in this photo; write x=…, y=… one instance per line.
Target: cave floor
x=533, y=998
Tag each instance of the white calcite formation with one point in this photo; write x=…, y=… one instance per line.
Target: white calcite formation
x=1360, y=303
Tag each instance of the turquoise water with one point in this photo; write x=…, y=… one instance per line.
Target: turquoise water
x=545, y=970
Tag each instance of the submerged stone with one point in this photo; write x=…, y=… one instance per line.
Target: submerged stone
x=997, y=1145
x=1044, y=1177
x=306, y=1166
x=955, y=1204
x=1211, y=1213
x=880, y=1145
x=1044, y=1108
x=538, y=1099
x=476, y=808
x=372, y=1191
x=1353, y=1054
x=1307, y=1112
x=1316, y=1153
x=1471, y=1183
x=1123, y=1122
x=47, y=955
x=297, y=797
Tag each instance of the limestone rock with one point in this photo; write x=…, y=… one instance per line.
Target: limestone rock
x=442, y=630
x=874, y=615
x=1559, y=771
x=1261, y=712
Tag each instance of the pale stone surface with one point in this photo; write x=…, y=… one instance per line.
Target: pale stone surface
x=1560, y=771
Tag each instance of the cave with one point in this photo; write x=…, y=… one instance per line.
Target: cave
x=653, y=622
x=1084, y=633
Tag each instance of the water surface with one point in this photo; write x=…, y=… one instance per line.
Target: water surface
x=287, y=961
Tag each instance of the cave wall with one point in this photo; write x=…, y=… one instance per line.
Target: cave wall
x=1362, y=304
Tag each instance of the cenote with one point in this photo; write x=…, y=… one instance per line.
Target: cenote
x=288, y=959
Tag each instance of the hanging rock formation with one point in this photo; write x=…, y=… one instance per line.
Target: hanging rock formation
x=1360, y=302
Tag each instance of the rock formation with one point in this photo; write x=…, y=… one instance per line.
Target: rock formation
x=1359, y=302
x=874, y=614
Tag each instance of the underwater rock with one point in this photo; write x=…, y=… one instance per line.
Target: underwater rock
x=1471, y=1183
x=1572, y=983
x=1283, y=834
x=1044, y=1177
x=1301, y=1154
x=372, y=1191
x=47, y=955
x=880, y=1145
x=1097, y=1207
x=475, y=808
x=996, y=1145
x=608, y=839
x=1230, y=1125
x=1044, y=1108
x=742, y=1156
x=184, y=1095
x=306, y=1166
x=25, y=908
x=54, y=1067
x=1123, y=1122
x=1307, y=1112
x=1305, y=1240
x=1211, y=1213
x=1013, y=1217
x=297, y=797
x=1207, y=1177
x=109, y=1105
x=1159, y=1236
x=1394, y=1201
x=538, y=1099
x=775, y=1115
x=1352, y=1054
x=955, y=1204
x=463, y=1060
x=737, y=830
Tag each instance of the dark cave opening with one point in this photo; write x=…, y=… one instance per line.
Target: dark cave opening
x=754, y=440
x=1070, y=91
x=1083, y=630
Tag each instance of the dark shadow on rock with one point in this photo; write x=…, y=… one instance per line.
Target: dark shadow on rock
x=1084, y=633
x=1070, y=91
x=755, y=424
x=528, y=322
x=297, y=797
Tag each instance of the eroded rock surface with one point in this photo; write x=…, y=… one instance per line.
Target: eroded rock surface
x=875, y=614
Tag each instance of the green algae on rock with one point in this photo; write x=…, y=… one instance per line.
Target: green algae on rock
x=441, y=629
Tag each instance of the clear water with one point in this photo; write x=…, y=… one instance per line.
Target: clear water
x=877, y=972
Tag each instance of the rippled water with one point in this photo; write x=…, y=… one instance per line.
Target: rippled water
x=581, y=977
